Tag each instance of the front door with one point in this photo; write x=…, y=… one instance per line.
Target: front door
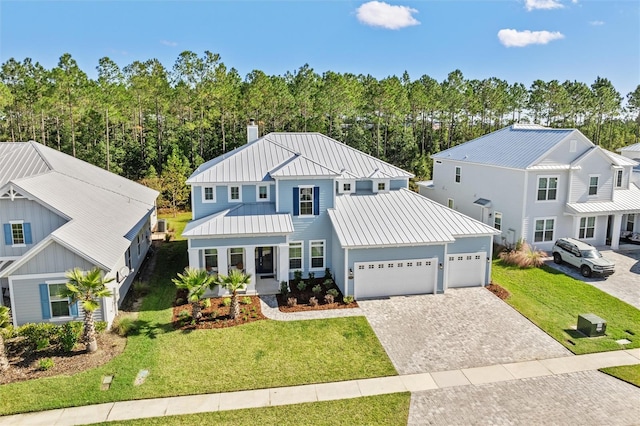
x=264, y=260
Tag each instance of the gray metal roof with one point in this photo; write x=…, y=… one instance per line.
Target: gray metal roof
x=516, y=146
x=20, y=159
x=399, y=218
x=631, y=148
x=102, y=208
x=245, y=219
x=620, y=160
x=624, y=201
x=291, y=154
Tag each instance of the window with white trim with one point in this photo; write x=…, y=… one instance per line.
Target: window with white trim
x=316, y=254
x=210, y=260
x=544, y=229
x=450, y=203
x=458, y=174
x=346, y=187
x=17, y=233
x=235, y=194
x=263, y=193
x=208, y=194
x=382, y=186
x=593, y=185
x=306, y=201
x=619, y=178
x=295, y=255
x=587, y=227
x=497, y=220
x=547, y=188
x=631, y=219
x=236, y=257
x=139, y=243
x=59, y=304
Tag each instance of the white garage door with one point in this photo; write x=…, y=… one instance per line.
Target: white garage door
x=394, y=277
x=466, y=269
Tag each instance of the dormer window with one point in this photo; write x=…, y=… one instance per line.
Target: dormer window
x=346, y=187
x=382, y=186
x=235, y=196
x=619, y=178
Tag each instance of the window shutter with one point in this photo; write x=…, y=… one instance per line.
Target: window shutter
x=7, y=234
x=26, y=227
x=296, y=201
x=316, y=200
x=74, y=309
x=44, y=301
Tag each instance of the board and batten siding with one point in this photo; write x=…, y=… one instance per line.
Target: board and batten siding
x=42, y=221
x=28, y=306
x=53, y=258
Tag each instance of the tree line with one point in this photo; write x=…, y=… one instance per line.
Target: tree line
x=139, y=120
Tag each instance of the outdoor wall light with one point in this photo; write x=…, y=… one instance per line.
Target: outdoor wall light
x=488, y=260
x=350, y=273
x=440, y=265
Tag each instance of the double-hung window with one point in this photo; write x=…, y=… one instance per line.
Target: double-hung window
x=631, y=219
x=295, y=255
x=236, y=257
x=587, y=227
x=17, y=233
x=458, y=174
x=547, y=188
x=618, y=178
x=544, y=230
x=208, y=194
x=263, y=192
x=235, y=196
x=593, y=185
x=316, y=254
x=58, y=303
x=497, y=220
x=211, y=260
x=306, y=201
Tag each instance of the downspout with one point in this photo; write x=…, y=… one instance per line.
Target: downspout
x=346, y=272
x=524, y=207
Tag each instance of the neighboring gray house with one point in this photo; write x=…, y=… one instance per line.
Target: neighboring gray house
x=58, y=213
x=304, y=201
x=633, y=152
x=539, y=184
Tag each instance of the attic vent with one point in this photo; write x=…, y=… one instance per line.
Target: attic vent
x=573, y=145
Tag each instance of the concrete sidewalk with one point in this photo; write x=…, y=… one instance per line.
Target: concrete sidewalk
x=126, y=410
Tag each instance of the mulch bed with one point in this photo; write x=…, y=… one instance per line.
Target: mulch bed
x=24, y=364
x=498, y=291
x=304, y=296
x=216, y=315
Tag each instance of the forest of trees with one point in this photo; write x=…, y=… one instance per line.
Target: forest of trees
x=145, y=121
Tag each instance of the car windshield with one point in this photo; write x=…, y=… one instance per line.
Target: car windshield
x=591, y=254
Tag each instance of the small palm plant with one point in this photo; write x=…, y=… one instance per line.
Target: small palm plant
x=196, y=282
x=236, y=280
x=4, y=323
x=88, y=289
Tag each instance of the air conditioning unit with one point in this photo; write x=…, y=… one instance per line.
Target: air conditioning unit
x=162, y=225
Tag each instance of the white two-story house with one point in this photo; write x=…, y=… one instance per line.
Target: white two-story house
x=304, y=202
x=538, y=184
x=59, y=213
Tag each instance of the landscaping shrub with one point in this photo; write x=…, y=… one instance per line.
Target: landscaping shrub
x=297, y=277
x=126, y=324
x=312, y=277
x=313, y=301
x=246, y=300
x=206, y=303
x=101, y=326
x=316, y=289
x=327, y=275
x=347, y=299
x=38, y=336
x=226, y=301
x=333, y=292
x=69, y=335
x=284, y=288
x=292, y=301
x=328, y=298
x=46, y=364
x=302, y=286
x=525, y=257
x=328, y=284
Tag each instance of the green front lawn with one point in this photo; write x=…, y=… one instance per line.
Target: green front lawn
x=553, y=301
x=390, y=409
x=262, y=354
x=628, y=373
x=176, y=224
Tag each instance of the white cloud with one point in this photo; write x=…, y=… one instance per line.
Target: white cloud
x=515, y=38
x=380, y=14
x=169, y=43
x=596, y=23
x=543, y=4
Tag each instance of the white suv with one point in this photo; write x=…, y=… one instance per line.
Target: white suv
x=583, y=256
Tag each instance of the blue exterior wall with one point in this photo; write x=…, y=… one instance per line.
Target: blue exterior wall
x=201, y=209
x=398, y=183
x=364, y=186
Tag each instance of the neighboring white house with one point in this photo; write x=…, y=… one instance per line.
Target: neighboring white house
x=538, y=184
x=59, y=213
x=303, y=201
x=633, y=152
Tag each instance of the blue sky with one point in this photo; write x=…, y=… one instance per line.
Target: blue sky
x=515, y=40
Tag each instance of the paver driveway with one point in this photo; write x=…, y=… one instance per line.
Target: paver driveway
x=623, y=284
x=462, y=328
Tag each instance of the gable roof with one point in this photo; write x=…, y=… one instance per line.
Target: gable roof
x=104, y=210
x=631, y=148
x=399, y=218
x=291, y=155
x=517, y=146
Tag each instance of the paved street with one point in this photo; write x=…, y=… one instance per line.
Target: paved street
x=623, y=284
x=468, y=327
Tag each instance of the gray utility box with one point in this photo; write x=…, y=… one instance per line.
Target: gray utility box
x=591, y=325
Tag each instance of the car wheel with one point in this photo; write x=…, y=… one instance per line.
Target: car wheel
x=557, y=258
x=585, y=271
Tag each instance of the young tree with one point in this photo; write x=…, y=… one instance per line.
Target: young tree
x=196, y=282
x=173, y=178
x=4, y=323
x=88, y=289
x=236, y=280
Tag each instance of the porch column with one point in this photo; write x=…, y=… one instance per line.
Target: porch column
x=615, y=231
x=194, y=258
x=250, y=266
x=283, y=263
x=223, y=260
x=576, y=226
